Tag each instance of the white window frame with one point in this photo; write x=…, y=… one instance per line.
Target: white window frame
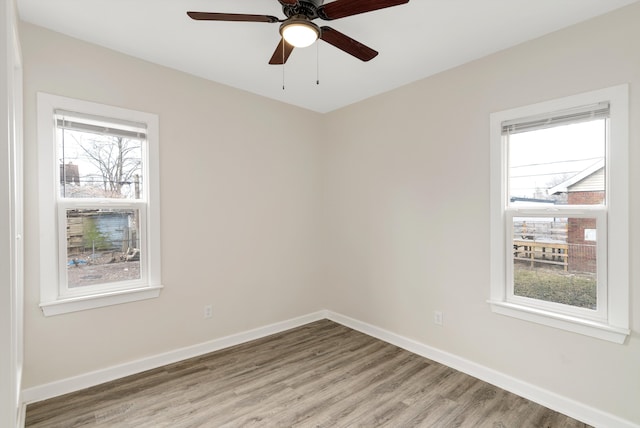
x=611, y=321
x=55, y=297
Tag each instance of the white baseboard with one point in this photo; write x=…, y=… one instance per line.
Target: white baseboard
x=564, y=405
x=531, y=392
x=76, y=383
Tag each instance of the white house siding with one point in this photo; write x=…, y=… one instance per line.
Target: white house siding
x=591, y=183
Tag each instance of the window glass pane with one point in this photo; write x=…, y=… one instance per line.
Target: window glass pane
x=102, y=246
x=554, y=259
x=558, y=165
x=98, y=165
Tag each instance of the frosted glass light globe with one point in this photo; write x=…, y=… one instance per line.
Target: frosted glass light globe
x=300, y=34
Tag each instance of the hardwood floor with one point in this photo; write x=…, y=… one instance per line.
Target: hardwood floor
x=319, y=375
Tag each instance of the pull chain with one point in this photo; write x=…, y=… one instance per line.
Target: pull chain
x=283, y=42
x=317, y=63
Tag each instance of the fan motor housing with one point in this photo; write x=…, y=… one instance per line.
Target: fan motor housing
x=308, y=8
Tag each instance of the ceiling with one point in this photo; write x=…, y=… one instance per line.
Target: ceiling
x=415, y=40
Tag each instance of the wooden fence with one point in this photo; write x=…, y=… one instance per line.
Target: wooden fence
x=541, y=241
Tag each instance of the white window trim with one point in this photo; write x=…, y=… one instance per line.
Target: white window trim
x=52, y=302
x=614, y=326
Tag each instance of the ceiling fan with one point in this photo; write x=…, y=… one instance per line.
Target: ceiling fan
x=298, y=30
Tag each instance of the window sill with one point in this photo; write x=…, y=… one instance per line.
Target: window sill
x=565, y=322
x=74, y=304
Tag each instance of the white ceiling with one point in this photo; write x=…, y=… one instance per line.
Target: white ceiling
x=415, y=40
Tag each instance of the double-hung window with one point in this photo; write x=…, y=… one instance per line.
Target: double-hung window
x=559, y=213
x=99, y=205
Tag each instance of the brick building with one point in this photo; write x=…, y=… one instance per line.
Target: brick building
x=584, y=188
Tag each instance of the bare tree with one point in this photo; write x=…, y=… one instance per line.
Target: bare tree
x=116, y=158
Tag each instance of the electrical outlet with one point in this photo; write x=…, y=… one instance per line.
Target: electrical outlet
x=208, y=311
x=437, y=317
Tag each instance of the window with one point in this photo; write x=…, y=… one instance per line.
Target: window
x=99, y=205
x=559, y=213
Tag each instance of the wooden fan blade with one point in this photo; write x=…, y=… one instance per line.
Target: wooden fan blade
x=241, y=17
x=288, y=2
x=282, y=52
x=341, y=8
x=347, y=44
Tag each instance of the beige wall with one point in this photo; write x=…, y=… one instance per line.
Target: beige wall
x=408, y=187
x=383, y=216
x=239, y=210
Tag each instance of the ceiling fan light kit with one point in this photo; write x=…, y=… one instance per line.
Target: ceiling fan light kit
x=297, y=30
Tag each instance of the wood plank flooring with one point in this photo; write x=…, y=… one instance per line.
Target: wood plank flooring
x=319, y=375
